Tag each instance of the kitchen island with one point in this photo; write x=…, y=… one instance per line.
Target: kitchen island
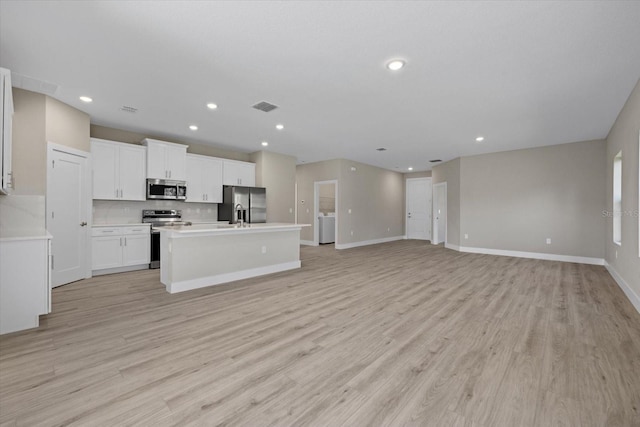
x=197, y=256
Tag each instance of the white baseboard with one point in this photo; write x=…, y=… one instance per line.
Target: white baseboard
x=368, y=242
x=532, y=255
x=120, y=269
x=633, y=297
x=202, y=282
x=308, y=243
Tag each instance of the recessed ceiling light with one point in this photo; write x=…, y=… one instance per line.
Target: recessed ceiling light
x=395, y=65
x=212, y=106
x=85, y=99
x=480, y=139
x=265, y=143
x=193, y=127
x=279, y=126
x=410, y=168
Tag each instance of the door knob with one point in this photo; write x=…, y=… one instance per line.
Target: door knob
x=83, y=223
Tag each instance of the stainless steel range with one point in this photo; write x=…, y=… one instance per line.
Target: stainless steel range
x=157, y=219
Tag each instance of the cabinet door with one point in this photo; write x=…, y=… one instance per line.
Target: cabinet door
x=212, y=180
x=230, y=174
x=156, y=167
x=132, y=172
x=247, y=174
x=105, y=170
x=195, y=193
x=106, y=251
x=136, y=249
x=176, y=162
x=6, y=120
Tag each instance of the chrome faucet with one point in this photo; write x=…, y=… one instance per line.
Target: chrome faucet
x=239, y=214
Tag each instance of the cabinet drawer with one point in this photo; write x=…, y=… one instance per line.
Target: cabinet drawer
x=139, y=229
x=106, y=231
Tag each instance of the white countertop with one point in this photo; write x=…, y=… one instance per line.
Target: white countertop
x=226, y=229
x=131, y=224
x=24, y=234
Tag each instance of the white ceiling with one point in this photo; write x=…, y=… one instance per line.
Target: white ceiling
x=523, y=74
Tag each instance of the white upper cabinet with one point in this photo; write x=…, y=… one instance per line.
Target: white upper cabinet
x=6, y=119
x=119, y=170
x=239, y=173
x=166, y=160
x=204, y=179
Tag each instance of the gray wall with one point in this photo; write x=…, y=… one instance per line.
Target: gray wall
x=514, y=200
x=120, y=135
x=624, y=136
x=277, y=173
x=374, y=195
x=449, y=172
x=306, y=176
x=37, y=120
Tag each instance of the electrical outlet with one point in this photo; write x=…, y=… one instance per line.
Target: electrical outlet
x=290, y=210
x=307, y=210
x=264, y=249
x=548, y=240
x=466, y=236
x=616, y=254
x=388, y=229
x=349, y=210
x=352, y=232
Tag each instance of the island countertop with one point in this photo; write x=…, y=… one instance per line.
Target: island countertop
x=226, y=229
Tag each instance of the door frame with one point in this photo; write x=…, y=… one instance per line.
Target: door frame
x=316, y=210
x=434, y=235
x=406, y=205
x=85, y=195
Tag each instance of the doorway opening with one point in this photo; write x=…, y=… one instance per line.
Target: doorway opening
x=325, y=218
x=439, y=213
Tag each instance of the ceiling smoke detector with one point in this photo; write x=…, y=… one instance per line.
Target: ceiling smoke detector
x=265, y=106
x=128, y=109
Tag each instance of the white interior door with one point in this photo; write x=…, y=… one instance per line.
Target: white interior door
x=67, y=215
x=418, y=195
x=439, y=213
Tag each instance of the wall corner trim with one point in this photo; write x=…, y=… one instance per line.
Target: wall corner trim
x=452, y=246
x=368, y=242
x=628, y=291
x=532, y=255
x=308, y=243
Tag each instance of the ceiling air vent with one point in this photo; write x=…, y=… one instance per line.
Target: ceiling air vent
x=381, y=149
x=265, y=106
x=435, y=161
x=128, y=109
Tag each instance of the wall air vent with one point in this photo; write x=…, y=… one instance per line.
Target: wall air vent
x=435, y=161
x=381, y=149
x=128, y=109
x=265, y=106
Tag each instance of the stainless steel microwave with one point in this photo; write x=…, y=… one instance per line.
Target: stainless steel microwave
x=165, y=189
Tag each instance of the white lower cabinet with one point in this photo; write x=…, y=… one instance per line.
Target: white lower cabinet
x=120, y=248
x=25, y=282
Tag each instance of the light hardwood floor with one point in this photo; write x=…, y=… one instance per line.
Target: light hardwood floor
x=402, y=333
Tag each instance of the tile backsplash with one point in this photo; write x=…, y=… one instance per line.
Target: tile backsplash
x=127, y=212
x=19, y=213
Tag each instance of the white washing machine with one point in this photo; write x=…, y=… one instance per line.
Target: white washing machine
x=327, y=229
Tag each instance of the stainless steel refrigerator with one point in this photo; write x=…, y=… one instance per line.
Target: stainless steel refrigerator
x=248, y=203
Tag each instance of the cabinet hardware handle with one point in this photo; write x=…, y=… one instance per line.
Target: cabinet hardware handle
x=125, y=241
x=83, y=223
x=116, y=193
